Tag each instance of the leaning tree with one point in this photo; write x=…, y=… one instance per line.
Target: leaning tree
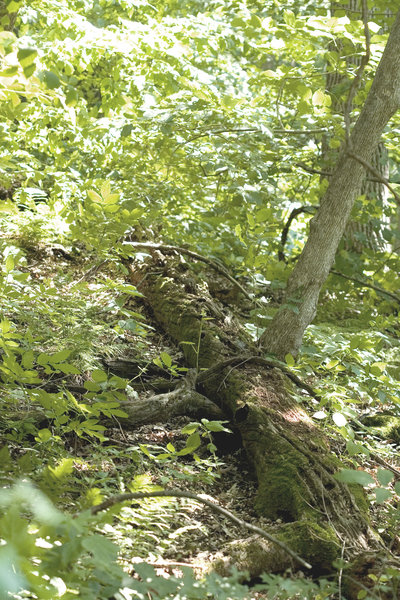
x=286, y=330
x=319, y=516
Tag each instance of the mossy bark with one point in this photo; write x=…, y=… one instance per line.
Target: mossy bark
x=288, y=452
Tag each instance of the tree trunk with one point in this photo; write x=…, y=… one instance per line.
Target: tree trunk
x=359, y=233
x=289, y=454
x=286, y=330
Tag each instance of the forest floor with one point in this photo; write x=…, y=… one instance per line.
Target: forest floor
x=93, y=313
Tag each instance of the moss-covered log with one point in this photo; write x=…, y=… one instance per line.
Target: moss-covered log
x=288, y=452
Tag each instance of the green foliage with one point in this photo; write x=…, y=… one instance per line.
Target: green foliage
x=174, y=120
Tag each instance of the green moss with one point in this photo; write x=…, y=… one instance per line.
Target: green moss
x=281, y=493
x=384, y=425
x=360, y=497
x=316, y=544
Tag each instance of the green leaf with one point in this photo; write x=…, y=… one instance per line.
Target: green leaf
x=290, y=360
x=103, y=550
x=58, y=357
x=50, y=79
x=99, y=376
x=7, y=40
x=215, y=426
x=62, y=469
x=43, y=359
x=91, y=386
x=145, y=450
x=193, y=442
x=26, y=56
x=190, y=428
x=44, y=435
x=68, y=368
x=352, y=476
x=353, y=449
x=384, y=476
x=105, y=189
x=9, y=263
x=382, y=494
x=165, y=357
x=71, y=97
x=94, y=196
x=332, y=363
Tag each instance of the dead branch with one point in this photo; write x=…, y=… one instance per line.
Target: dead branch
x=376, y=173
x=376, y=288
x=119, y=498
x=177, y=249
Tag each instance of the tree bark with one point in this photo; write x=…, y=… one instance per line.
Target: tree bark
x=285, y=333
x=359, y=233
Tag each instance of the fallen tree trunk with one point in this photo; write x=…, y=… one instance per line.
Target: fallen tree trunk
x=288, y=452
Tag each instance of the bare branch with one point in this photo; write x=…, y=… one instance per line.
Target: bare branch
x=172, y=249
x=285, y=230
x=376, y=288
x=356, y=81
x=330, y=173
x=255, y=130
x=376, y=173
x=119, y=498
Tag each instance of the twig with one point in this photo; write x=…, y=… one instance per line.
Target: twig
x=381, y=461
x=356, y=81
x=368, y=285
x=263, y=362
x=285, y=231
x=280, y=131
x=300, y=131
x=330, y=173
x=208, y=261
x=181, y=494
x=375, y=172
x=92, y=271
x=218, y=132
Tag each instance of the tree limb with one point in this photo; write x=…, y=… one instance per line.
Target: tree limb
x=368, y=285
x=285, y=230
x=330, y=173
x=376, y=173
x=181, y=494
x=172, y=249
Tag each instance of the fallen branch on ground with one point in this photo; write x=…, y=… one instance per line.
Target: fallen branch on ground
x=177, y=249
x=119, y=498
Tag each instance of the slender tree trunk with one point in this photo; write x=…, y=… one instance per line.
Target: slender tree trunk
x=286, y=330
x=359, y=233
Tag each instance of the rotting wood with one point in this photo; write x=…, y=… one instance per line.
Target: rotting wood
x=287, y=450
